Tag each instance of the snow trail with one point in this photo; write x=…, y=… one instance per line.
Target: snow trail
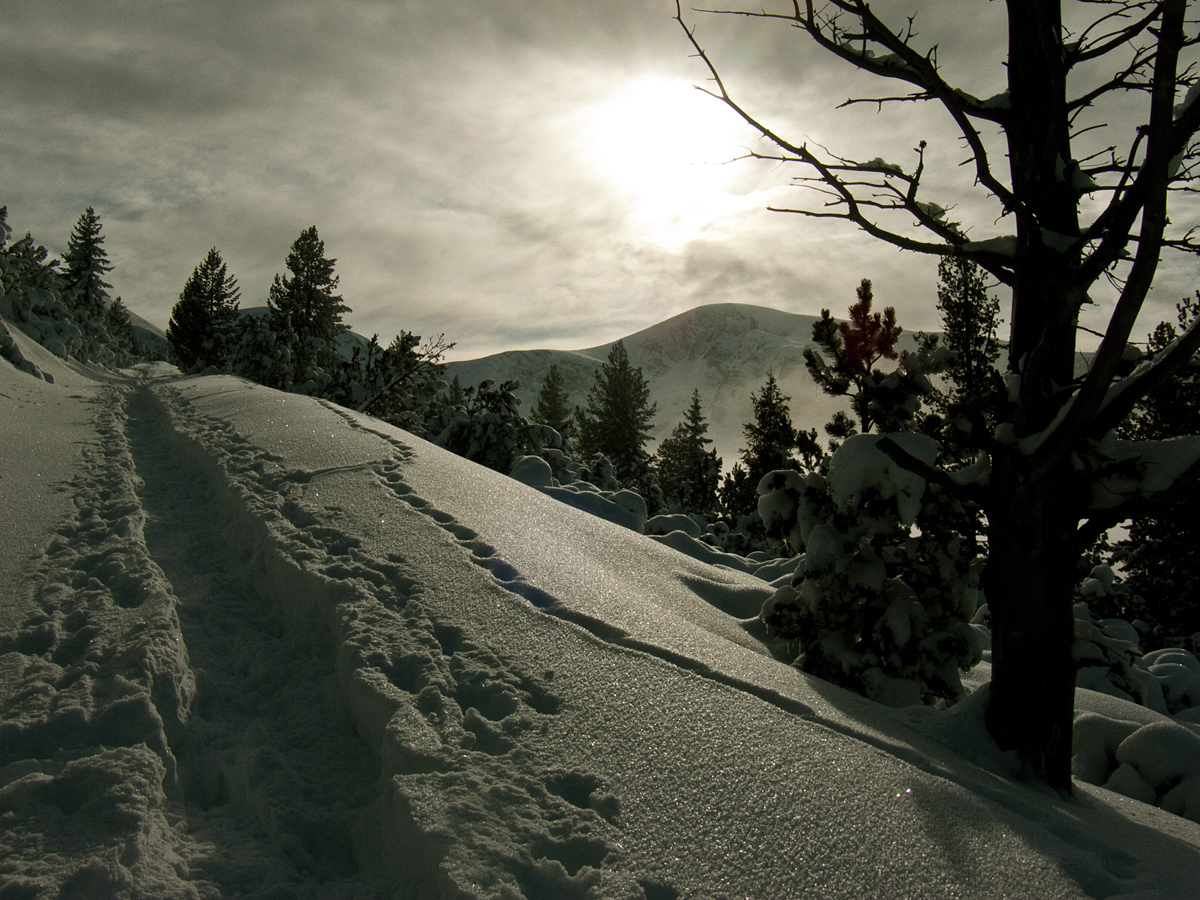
x=444, y=717
x=272, y=769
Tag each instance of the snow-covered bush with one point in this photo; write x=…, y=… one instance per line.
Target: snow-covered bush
x=882, y=598
x=1151, y=758
x=1108, y=656
x=486, y=426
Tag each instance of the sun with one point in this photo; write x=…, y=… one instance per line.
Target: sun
x=669, y=149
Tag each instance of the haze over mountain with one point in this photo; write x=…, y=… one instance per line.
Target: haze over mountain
x=725, y=350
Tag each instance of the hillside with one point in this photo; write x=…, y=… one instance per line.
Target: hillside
x=725, y=350
x=254, y=645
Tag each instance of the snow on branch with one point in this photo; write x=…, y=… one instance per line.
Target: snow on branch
x=1129, y=474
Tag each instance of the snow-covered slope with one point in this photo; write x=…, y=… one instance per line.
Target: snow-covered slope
x=253, y=645
x=725, y=350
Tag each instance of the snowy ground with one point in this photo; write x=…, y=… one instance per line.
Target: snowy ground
x=252, y=645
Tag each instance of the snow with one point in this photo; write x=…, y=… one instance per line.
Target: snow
x=932, y=210
x=1151, y=467
x=860, y=465
x=1005, y=245
x=1189, y=98
x=255, y=645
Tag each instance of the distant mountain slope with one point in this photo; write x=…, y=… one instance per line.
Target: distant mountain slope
x=725, y=350
x=149, y=333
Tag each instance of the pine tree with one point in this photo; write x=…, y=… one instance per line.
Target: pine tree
x=689, y=472
x=855, y=346
x=262, y=354
x=615, y=421
x=85, y=265
x=738, y=494
x=201, y=329
x=123, y=340
x=305, y=306
x=31, y=293
x=970, y=318
x=771, y=437
x=84, y=289
x=770, y=442
x=552, y=407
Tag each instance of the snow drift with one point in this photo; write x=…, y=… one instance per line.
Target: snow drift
x=254, y=645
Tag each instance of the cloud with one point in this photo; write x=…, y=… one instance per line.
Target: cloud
x=436, y=146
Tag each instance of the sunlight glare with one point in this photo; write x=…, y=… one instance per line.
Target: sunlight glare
x=668, y=147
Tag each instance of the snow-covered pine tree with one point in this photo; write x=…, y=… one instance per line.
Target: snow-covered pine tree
x=305, y=307
x=398, y=383
x=882, y=598
x=484, y=424
x=263, y=355
x=614, y=422
x=204, y=320
x=688, y=471
x=31, y=293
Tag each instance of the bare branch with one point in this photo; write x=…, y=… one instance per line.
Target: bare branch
x=1087, y=49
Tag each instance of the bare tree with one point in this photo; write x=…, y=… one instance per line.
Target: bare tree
x=1053, y=477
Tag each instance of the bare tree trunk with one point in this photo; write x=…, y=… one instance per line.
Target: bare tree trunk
x=1028, y=582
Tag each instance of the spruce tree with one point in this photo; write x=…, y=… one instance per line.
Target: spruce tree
x=123, y=340
x=688, y=471
x=770, y=441
x=614, y=422
x=771, y=437
x=201, y=329
x=305, y=307
x=85, y=291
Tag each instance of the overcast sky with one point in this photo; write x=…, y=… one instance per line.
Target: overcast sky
x=511, y=173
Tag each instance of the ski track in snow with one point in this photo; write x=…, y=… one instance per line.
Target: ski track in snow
x=455, y=699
